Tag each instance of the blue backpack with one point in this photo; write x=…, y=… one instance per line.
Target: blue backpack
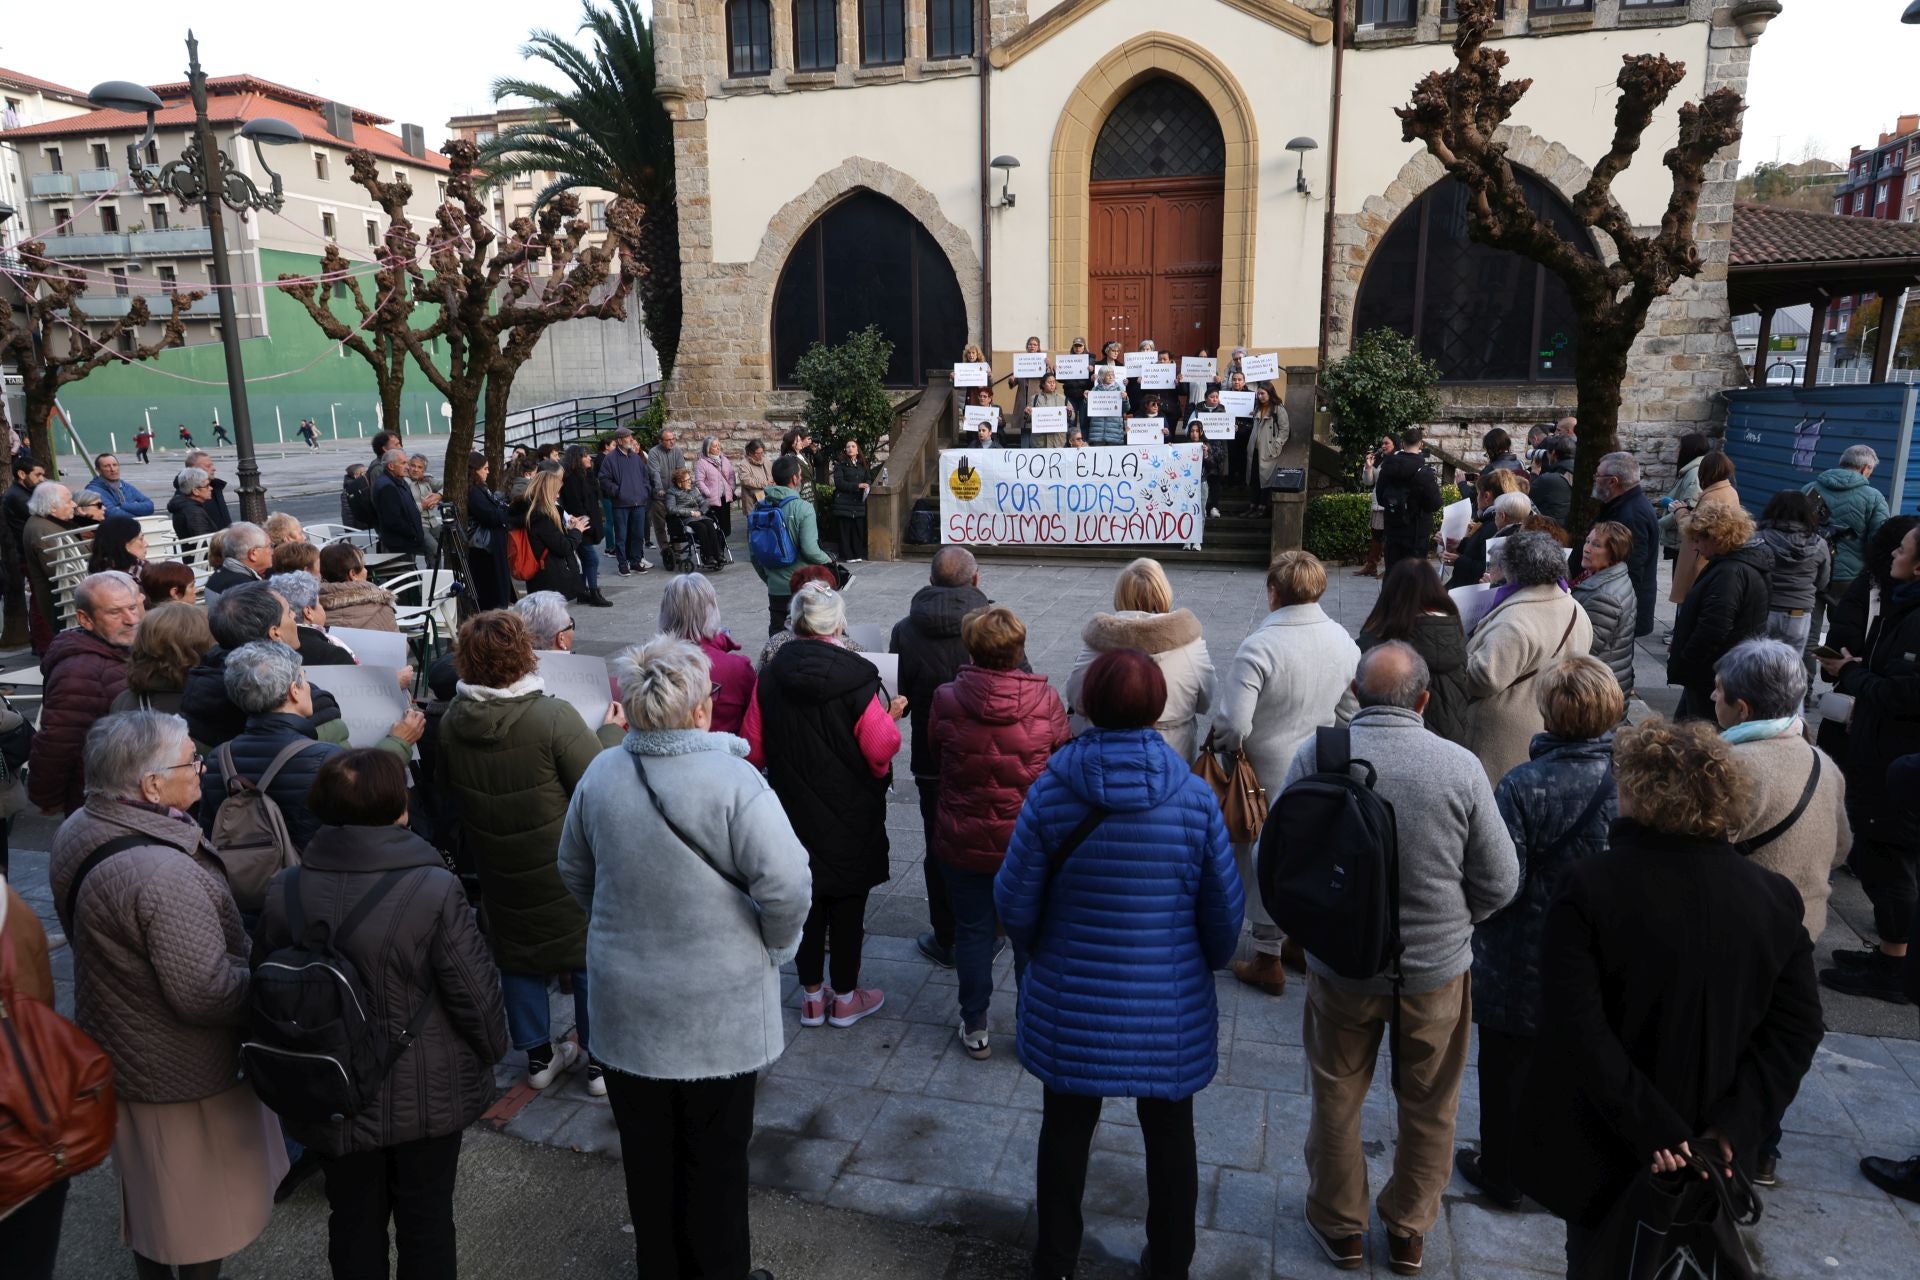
x=769, y=541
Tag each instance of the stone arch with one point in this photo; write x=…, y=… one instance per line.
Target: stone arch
x=1357, y=235
x=1112, y=77
x=849, y=176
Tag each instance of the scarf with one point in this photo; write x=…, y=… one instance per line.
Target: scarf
x=1761, y=730
x=529, y=683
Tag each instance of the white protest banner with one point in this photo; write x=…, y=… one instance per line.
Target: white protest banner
x=1114, y=496
x=1030, y=364
x=1157, y=377
x=1454, y=520
x=989, y=414
x=888, y=665
x=579, y=679
x=1050, y=420
x=1237, y=403
x=370, y=699
x=1197, y=368
x=1073, y=368
x=1105, y=404
x=971, y=375
x=373, y=648
x=1216, y=426
x=1146, y=431
x=1135, y=361
x=1474, y=602
x=1260, y=368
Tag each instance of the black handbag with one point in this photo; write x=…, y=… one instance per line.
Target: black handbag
x=1286, y=480
x=1677, y=1226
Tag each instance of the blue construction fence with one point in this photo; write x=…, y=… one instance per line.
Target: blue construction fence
x=1782, y=437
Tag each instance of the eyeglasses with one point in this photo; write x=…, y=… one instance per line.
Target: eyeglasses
x=198, y=764
x=562, y=631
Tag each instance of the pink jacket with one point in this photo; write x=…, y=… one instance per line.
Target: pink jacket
x=735, y=676
x=714, y=476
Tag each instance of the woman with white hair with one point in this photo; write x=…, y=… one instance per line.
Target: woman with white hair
x=162, y=962
x=301, y=591
x=192, y=491
x=1536, y=624
x=713, y=476
x=685, y=864
x=821, y=726
x=50, y=511
x=690, y=610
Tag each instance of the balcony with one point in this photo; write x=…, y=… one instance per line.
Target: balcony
x=108, y=307
x=170, y=241
x=106, y=246
x=52, y=186
x=95, y=181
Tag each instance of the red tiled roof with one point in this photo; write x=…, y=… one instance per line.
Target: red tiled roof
x=1766, y=236
x=236, y=100
x=26, y=81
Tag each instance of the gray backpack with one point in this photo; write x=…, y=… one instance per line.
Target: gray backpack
x=250, y=832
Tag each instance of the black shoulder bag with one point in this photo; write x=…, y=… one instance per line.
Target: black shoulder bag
x=1058, y=858
x=640, y=768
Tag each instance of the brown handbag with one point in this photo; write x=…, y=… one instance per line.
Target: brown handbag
x=1243, y=801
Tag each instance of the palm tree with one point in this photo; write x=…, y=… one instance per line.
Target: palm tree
x=607, y=130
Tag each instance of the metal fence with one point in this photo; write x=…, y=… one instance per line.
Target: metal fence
x=567, y=421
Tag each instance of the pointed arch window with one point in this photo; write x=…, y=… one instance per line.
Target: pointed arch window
x=749, y=38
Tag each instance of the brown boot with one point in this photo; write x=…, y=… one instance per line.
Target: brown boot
x=1262, y=972
x=1292, y=956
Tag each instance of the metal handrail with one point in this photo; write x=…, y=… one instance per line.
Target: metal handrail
x=579, y=419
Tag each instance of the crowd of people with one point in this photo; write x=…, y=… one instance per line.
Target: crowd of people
x=1626, y=911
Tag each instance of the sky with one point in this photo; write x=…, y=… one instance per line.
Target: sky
x=1827, y=74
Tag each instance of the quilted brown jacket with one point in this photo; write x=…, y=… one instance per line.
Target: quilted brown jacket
x=160, y=956
x=358, y=604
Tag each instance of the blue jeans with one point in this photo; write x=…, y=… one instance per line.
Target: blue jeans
x=627, y=534
x=589, y=566
x=529, y=1022
x=974, y=926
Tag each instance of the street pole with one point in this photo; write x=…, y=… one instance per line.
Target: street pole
x=253, y=498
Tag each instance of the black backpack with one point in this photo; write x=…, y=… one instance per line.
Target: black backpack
x=314, y=1052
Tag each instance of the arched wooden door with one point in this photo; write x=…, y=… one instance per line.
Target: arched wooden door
x=1157, y=193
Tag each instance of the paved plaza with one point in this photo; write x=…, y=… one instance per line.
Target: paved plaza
x=891, y=1119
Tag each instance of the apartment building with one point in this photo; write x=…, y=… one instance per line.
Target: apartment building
x=1882, y=181
x=26, y=100
x=516, y=198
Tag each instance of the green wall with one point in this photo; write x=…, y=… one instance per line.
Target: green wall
x=111, y=400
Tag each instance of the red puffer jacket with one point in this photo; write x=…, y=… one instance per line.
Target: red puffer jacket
x=84, y=674
x=994, y=731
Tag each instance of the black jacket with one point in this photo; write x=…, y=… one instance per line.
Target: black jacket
x=397, y=516
x=211, y=716
x=1552, y=491
x=1408, y=489
x=217, y=505
x=14, y=506
x=493, y=587
x=560, y=571
x=418, y=947
x=1677, y=995
x=1633, y=510
x=1440, y=641
x=811, y=695
x=317, y=650
x=253, y=751
x=227, y=577
x=1728, y=604
x=580, y=496
x=928, y=643
x=191, y=519
x=848, y=499
x=1471, y=565
x=356, y=503
x=1885, y=724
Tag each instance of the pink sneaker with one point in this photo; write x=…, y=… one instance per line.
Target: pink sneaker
x=813, y=1006
x=855, y=1005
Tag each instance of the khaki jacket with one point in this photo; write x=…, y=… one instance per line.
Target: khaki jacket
x=1524, y=635
x=1689, y=565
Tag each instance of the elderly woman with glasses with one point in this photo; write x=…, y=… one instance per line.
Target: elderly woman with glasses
x=690, y=610
x=695, y=889
x=161, y=960
x=192, y=492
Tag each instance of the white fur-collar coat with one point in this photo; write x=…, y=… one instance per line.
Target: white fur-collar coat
x=1177, y=647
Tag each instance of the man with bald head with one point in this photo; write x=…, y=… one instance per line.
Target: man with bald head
x=931, y=653
x=1457, y=867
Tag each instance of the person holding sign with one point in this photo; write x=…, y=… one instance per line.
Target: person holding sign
x=1106, y=407
x=1050, y=396
x=1076, y=375
x=1197, y=374
x=1214, y=468
x=1029, y=367
x=1150, y=411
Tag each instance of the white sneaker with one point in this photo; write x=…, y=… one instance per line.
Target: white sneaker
x=565, y=1054
x=596, y=1079
x=644, y=565
x=1214, y=513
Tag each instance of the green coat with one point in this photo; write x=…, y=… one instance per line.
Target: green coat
x=1856, y=506
x=513, y=763
x=804, y=524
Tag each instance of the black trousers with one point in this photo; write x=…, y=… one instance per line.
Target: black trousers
x=847, y=919
x=1887, y=872
x=777, y=613
x=1403, y=544
x=851, y=531
x=30, y=1235
x=683, y=1144
x=939, y=905
x=1067, y=1123
x=722, y=516
x=410, y=1184
x=1503, y=1070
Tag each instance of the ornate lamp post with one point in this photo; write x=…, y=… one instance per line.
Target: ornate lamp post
x=204, y=173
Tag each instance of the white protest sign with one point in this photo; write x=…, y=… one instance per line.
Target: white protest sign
x=982, y=414
x=370, y=699
x=1474, y=602
x=1454, y=520
x=1237, y=403
x=971, y=375
x=1157, y=377
x=1216, y=426
x=1260, y=368
x=1197, y=368
x=1105, y=404
x=1138, y=360
x=1030, y=364
x=868, y=637
x=1146, y=431
x=1050, y=420
x=373, y=648
x=579, y=679
x=888, y=665
x=1112, y=496
x=1073, y=368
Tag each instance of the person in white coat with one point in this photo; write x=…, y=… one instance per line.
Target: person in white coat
x=1535, y=625
x=1144, y=618
x=1292, y=675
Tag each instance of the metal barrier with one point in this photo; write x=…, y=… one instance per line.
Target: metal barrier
x=567, y=421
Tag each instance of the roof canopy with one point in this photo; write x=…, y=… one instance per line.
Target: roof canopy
x=1781, y=257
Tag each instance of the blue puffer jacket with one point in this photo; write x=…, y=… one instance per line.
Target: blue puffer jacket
x=1539, y=801
x=1121, y=948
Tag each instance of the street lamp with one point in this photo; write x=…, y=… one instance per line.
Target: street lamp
x=204, y=173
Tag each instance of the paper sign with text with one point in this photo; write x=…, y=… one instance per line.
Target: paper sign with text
x=1073, y=368
x=1237, y=403
x=888, y=665
x=1030, y=364
x=1197, y=368
x=1260, y=368
x=370, y=699
x=1050, y=420
x=579, y=679
x=1157, y=377
x=1138, y=360
x=978, y=414
x=1114, y=496
x=971, y=375
x=373, y=648
x=1146, y=431
x=1217, y=426
x=1105, y=404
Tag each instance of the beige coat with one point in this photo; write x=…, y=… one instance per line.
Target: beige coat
x=1505, y=654
x=1689, y=565
x=358, y=604
x=1818, y=840
x=754, y=478
x=1174, y=642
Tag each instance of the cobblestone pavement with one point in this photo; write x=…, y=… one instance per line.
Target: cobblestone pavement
x=891, y=1118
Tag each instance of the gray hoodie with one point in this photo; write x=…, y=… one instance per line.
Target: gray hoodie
x=1802, y=564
